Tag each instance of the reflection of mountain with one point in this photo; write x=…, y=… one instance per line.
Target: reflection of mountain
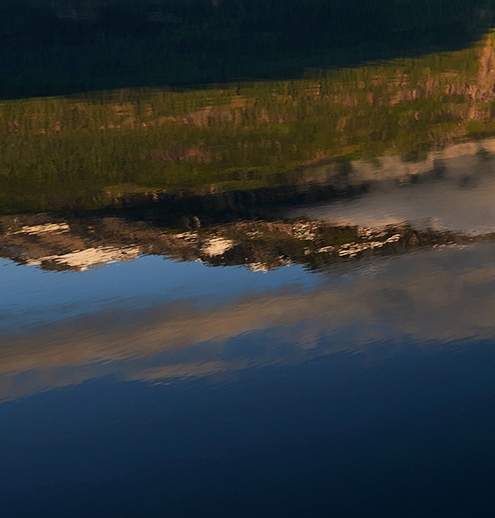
x=86, y=153
x=259, y=245
x=58, y=47
x=382, y=206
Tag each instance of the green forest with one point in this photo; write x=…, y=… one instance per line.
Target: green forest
x=94, y=144
x=86, y=151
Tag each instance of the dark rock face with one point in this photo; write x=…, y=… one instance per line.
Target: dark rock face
x=59, y=47
x=78, y=244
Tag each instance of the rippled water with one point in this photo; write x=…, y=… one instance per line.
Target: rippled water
x=257, y=298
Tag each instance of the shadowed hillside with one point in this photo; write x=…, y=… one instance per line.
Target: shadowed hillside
x=59, y=47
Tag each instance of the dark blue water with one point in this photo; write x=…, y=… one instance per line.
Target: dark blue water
x=347, y=435
x=268, y=294
x=363, y=391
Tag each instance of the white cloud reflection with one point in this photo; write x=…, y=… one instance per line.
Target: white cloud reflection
x=458, y=192
x=445, y=295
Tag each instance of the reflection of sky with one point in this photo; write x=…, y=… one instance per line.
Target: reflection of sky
x=413, y=433
x=441, y=296
x=442, y=206
x=366, y=392
x=30, y=295
x=461, y=201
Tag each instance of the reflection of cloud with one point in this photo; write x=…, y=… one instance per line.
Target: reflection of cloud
x=443, y=295
x=440, y=206
x=462, y=200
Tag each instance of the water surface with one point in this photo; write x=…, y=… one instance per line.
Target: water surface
x=268, y=295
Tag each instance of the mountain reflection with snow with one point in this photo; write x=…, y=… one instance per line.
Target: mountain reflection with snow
x=255, y=298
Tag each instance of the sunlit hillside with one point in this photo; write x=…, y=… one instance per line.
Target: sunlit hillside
x=85, y=152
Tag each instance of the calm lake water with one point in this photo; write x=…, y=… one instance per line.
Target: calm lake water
x=271, y=295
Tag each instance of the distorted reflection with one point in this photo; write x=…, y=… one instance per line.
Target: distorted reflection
x=317, y=242
x=377, y=174
x=438, y=296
